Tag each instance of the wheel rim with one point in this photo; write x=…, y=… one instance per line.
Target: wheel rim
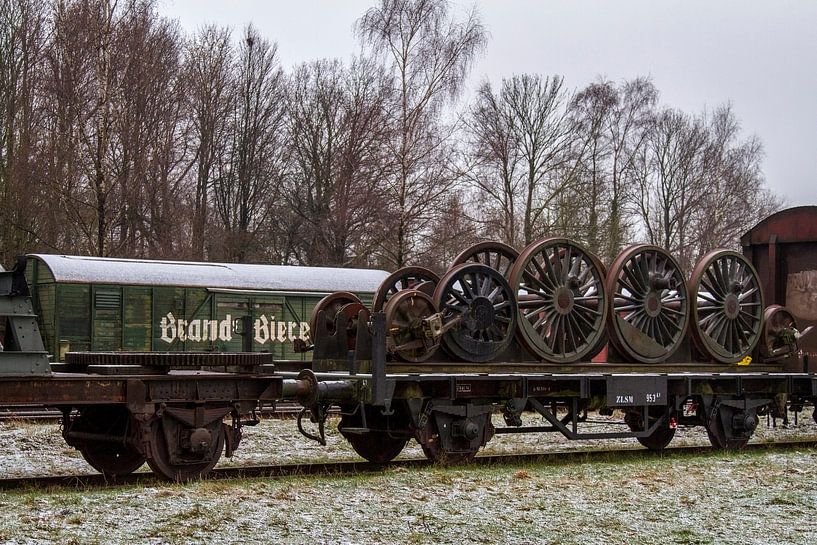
x=404, y=315
x=330, y=305
x=496, y=255
x=351, y=313
x=111, y=459
x=658, y=439
x=401, y=279
x=482, y=302
x=717, y=434
x=166, y=434
x=777, y=319
x=562, y=300
x=431, y=444
x=649, y=307
x=727, y=306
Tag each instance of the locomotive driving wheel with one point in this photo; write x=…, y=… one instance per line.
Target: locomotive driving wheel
x=113, y=458
x=411, y=335
x=181, y=453
x=478, y=312
x=726, y=306
x=496, y=255
x=649, y=304
x=404, y=279
x=562, y=300
x=331, y=306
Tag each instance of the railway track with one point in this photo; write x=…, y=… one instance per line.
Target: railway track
x=342, y=468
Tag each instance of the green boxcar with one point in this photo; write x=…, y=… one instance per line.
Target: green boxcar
x=108, y=304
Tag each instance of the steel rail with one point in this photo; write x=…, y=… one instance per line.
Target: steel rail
x=346, y=468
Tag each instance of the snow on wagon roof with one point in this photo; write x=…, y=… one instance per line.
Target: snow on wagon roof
x=106, y=270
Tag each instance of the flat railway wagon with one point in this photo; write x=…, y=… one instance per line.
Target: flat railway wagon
x=506, y=331
x=434, y=357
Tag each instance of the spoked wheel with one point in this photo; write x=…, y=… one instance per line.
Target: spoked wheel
x=726, y=305
x=178, y=453
x=719, y=429
x=649, y=308
x=111, y=458
x=562, y=300
x=331, y=305
x=378, y=445
x=658, y=439
x=496, y=255
x=478, y=312
x=402, y=279
x=409, y=334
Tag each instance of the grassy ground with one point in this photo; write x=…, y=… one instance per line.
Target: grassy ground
x=751, y=497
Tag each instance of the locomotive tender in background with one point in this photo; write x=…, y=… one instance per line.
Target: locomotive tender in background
x=549, y=329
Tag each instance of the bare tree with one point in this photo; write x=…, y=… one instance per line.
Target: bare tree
x=528, y=149
x=430, y=55
x=592, y=108
x=735, y=197
x=22, y=41
x=148, y=136
x=671, y=183
x=612, y=121
x=208, y=66
x=337, y=129
x=250, y=176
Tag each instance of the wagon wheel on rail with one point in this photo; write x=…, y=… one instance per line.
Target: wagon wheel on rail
x=377, y=445
x=331, y=306
x=179, y=453
x=719, y=428
x=726, y=305
x=410, y=335
x=404, y=279
x=649, y=308
x=562, y=300
x=659, y=439
x=478, y=311
x=432, y=445
x=496, y=255
x=110, y=457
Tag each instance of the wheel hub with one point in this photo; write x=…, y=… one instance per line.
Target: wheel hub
x=731, y=306
x=563, y=297
x=482, y=311
x=652, y=304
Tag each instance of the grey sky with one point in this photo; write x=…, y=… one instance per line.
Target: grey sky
x=761, y=56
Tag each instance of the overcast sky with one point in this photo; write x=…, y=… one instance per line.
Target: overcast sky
x=759, y=55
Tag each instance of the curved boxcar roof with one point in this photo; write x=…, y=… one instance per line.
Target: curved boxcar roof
x=145, y=272
x=798, y=224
